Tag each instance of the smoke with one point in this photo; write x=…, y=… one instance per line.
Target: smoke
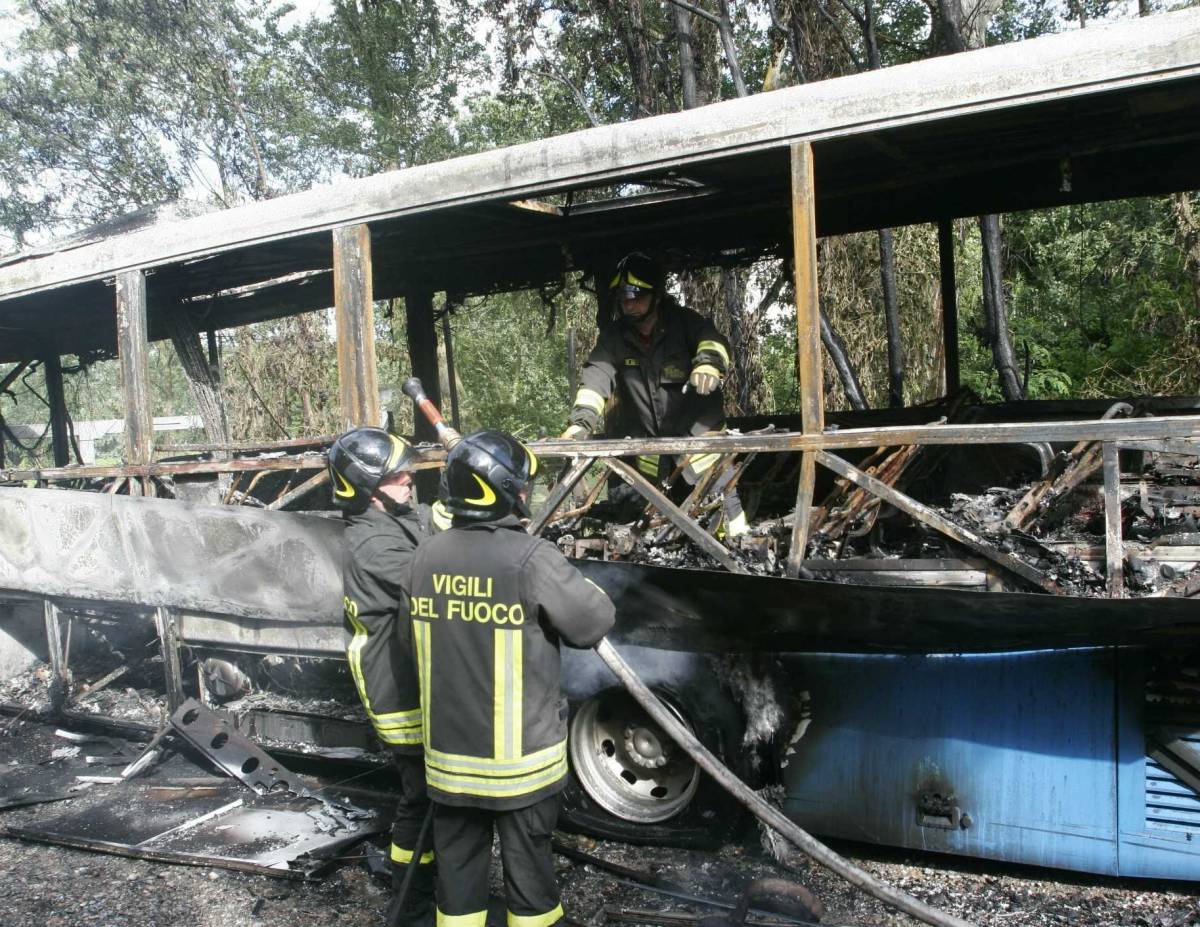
x=585, y=674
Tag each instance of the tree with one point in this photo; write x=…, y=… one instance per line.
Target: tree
x=114, y=105
x=382, y=78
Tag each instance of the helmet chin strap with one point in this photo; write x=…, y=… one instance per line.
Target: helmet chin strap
x=390, y=505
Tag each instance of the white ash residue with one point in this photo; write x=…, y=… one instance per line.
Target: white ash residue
x=750, y=679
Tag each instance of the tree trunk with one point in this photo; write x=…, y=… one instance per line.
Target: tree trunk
x=201, y=381
x=836, y=349
x=951, y=36
x=956, y=34
x=726, y=28
x=629, y=20
x=687, y=58
x=994, y=311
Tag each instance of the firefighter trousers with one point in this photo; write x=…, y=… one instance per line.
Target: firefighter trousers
x=410, y=812
x=462, y=838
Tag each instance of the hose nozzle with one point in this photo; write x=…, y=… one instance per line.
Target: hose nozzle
x=446, y=435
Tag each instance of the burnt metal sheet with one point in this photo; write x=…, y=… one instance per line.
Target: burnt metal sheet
x=699, y=610
x=223, y=826
x=156, y=552
x=178, y=812
x=236, y=754
x=284, y=571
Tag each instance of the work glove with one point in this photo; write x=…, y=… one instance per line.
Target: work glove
x=704, y=379
x=575, y=433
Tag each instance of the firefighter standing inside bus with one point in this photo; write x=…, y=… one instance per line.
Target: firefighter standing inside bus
x=665, y=364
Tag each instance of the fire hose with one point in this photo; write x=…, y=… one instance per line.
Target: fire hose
x=761, y=809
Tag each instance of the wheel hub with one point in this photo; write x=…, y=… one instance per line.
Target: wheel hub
x=626, y=763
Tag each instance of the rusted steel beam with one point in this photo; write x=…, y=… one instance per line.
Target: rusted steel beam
x=559, y=494
x=698, y=535
x=937, y=521
x=1086, y=459
x=860, y=502
x=56, y=647
x=423, y=356
x=303, y=489
x=135, y=378
x=11, y=376
x=588, y=502
x=949, y=290
x=808, y=309
x=246, y=446
x=1189, y=448
x=691, y=505
x=451, y=375
x=354, y=308
x=1113, y=549
x=50, y=474
x=428, y=460
x=103, y=681
x=808, y=339
x=802, y=513
x=1120, y=430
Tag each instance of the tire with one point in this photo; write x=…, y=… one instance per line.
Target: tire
x=629, y=782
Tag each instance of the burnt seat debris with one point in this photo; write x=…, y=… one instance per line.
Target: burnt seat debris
x=1018, y=517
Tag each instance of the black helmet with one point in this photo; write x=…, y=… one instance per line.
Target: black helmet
x=486, y=474
x=637, y=272
x=360, y=460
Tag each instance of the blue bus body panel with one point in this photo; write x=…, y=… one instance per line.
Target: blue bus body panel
x=1035, y=758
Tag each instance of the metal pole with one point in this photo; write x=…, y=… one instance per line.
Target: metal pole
x=949, y=306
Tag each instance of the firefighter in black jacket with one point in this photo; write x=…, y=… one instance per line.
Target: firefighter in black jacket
x=489, y=606
x=666, y=364
x=369, y=470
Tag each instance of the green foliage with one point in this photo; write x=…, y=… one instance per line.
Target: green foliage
x=111, y=105
x=512, y=371
x=382, y=78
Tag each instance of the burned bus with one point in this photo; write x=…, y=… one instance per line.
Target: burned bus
x=985, y=692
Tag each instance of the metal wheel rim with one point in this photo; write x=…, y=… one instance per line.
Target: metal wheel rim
x=612, y=741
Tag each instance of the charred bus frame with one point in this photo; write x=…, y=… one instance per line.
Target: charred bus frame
x=994, y=130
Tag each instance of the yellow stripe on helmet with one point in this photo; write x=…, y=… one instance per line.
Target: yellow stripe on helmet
x=346, y=491
x=488, y=499
x=630, y=279
x=533, y=460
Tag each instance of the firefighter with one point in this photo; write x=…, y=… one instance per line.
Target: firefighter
x=370, y=473
x=666, y=364
x=489, y=607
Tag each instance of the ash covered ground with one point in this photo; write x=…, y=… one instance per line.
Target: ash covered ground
x=61, y=887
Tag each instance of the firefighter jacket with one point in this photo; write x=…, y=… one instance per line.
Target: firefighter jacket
x=379, y=546
x=489, y=606
x=649, y=376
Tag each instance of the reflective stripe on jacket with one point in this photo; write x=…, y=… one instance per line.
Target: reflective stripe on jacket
x=379, y=547
x=489, y=606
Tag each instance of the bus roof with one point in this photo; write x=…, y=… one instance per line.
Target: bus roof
x=1103, y=113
